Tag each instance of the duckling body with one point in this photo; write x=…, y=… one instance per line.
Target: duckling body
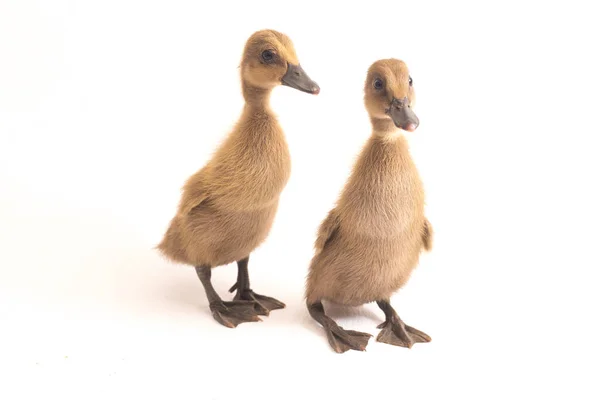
x=379, y=235
x=227, y=208
x=370, y=243
x=239, y=191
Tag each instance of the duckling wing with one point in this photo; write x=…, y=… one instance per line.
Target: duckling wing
x=327, y=229
x=194, y=193
x=427, y=235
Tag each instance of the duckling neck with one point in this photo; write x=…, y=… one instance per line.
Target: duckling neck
x=256, y=97
x=384, y=128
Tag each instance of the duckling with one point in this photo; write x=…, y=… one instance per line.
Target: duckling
x=227, y=207
x=371, y=241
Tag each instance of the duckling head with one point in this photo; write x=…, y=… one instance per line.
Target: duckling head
x=389, y=94
x=270, y=60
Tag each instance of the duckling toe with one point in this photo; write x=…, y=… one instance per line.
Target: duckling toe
x=233, y=313
x=398, y=334
x=418, y=336
x=263, y=305
x=342, y=340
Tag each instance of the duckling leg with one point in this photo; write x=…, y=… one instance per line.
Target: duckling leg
x=395, y=332
x=227, y=313
x=340, y=339
x=262, y=304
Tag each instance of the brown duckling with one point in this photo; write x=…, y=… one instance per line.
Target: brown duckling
x=227, y=207
x=369, y=244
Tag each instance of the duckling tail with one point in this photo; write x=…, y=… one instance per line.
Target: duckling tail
x=170, y=246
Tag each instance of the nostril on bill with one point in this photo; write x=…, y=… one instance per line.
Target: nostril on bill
x=400, y=103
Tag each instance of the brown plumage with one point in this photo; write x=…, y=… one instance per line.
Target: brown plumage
x=369, y=244
x=227, y=207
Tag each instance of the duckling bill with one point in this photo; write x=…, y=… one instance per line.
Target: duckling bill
x=369, y=244
x=227, y=208
x=296, y=78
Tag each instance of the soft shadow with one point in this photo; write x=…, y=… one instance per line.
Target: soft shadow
x=187, y=293
x=341, y=314
x=337, y=311
x=183, y=288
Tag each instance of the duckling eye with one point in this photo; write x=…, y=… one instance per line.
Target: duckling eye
x=268, y=56
x=410, y=81
x=378, y=84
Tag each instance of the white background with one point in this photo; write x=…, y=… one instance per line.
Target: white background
x=107, y=107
